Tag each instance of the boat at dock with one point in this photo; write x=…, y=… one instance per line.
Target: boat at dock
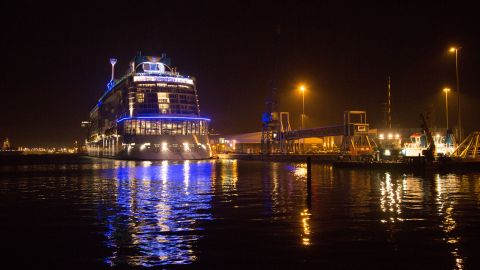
x=151, y=113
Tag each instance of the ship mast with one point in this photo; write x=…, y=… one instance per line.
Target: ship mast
x=113, y=61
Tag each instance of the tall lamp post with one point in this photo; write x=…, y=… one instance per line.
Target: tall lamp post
x=455, y=50
x=302, y=89
x=446, y=90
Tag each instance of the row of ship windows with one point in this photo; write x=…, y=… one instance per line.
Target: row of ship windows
x=163, y=85
x=162, y=90
x=165, y=127
x=165, y=108
x=165, y=98
x=147, y=111
x=174, y=91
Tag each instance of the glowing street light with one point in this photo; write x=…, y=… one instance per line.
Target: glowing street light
x=446, y=90
x=455, y=50
x=302, y=89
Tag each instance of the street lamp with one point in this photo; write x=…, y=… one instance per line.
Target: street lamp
x=455, y=50
x=302, y=89
x=446, y=90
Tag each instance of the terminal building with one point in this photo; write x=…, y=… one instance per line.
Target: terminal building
x=250, y=143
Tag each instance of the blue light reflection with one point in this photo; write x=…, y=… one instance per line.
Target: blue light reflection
x=158, y=211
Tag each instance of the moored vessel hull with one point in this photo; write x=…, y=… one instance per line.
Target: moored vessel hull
x=151, y=113
x=161, y=147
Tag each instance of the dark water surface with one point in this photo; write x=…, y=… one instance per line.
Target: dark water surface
x=77, y=212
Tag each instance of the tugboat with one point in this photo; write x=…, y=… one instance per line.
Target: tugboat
x=151, y=113
x=418, y=143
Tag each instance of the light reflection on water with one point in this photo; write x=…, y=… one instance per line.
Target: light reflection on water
x=158, y=212
x=305, y=214
x=398, y=194
x=163, y=213
x=391, y=199
x=444, y=189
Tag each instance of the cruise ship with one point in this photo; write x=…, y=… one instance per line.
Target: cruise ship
x=151, y=113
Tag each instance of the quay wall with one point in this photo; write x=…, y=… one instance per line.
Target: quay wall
x=326, y=158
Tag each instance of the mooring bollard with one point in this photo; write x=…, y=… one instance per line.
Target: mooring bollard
x=309, y=175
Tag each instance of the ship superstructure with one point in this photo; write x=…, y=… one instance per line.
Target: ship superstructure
x=152, y=112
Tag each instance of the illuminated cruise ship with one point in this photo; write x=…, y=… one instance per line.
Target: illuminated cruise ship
x=151, y=113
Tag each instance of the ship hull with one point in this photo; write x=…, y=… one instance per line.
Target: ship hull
x=141, y=155
x=151, y=113
x=162, y=147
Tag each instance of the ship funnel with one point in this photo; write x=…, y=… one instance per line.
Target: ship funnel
x=113, y=61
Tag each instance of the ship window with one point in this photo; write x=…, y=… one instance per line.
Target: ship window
x=163, y=98
x=147, y=127
x=128, y=127
x=164, y=127
x=133, y=126
x=179, y=128
x=163, y=108
x=174, y=128
x=140, y=97
x=153, y=67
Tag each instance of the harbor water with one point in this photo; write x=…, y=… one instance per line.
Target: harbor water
x=89, y=213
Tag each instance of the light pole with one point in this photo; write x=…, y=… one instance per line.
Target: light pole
x=455, y=50
x=446, y=90
x=302, y=89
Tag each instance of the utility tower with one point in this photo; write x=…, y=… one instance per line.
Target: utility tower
x=270, y=141
x=389, y=105
x=387, y=109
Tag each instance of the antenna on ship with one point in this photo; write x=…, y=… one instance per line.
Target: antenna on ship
x=113, y=61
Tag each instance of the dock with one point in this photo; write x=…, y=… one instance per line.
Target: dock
x=354, y=162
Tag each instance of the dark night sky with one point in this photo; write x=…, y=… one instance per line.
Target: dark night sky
x=57, y=55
